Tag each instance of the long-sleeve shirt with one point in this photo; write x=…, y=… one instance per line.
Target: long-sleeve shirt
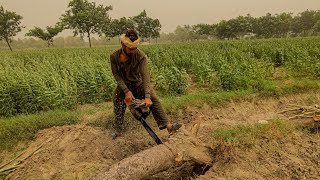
x=134, y=70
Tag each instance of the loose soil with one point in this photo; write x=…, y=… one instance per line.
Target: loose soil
x=80, y=151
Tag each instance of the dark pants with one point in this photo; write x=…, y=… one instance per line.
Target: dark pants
x=138, y=92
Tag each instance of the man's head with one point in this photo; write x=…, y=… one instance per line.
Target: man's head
x=129, y=42
x=132, y=34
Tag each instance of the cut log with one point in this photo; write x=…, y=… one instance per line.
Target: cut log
x=181, y=147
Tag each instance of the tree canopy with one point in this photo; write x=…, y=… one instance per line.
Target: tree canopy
x=267, y=26
x=118, y=26
x=86, y=18
x=9, y=25
x=47, y=35
x=147, y=27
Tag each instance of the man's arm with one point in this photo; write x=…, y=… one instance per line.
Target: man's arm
x=117, y=76
x=144, y=70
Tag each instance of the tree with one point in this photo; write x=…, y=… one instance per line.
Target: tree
x=46, y=35
x=316, y=27
x=283, y=24
x=235, y=28
x=146, y=26
x=265, y=26
x=304, y=21
x=243, y=25
x=155, y=28
x=204, y=29
x=86, y=18
x=183, y=149
x=223, y=30
x=118, y=27
x=9, y=25
x=184, y=33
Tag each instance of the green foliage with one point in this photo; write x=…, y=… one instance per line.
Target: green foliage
x=34, y=81
x=20, y=128
x=146, y=26
x=305, y=20
x=243, y=74
x=171, y=81
x=184, y=33
x=204, y=29
x=86, y=18
x=117, y=27
x=245, y=27
x=197, y=99
x=39, y=80
x=316, y=27
x=248, y=134
x=234, y=28
x=206, y=76
x=9, y=25
x=47, y=35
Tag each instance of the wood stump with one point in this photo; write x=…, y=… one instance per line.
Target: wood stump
x=182, y=147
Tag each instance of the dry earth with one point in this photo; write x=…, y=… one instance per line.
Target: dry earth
x=80, y=151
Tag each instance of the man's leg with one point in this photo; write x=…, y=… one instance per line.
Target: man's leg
x=156, y=108
x=158, y=112
x=119, y=108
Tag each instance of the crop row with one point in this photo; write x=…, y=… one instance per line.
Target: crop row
x=39, y=80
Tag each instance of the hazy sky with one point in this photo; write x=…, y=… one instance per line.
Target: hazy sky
x=170, y=12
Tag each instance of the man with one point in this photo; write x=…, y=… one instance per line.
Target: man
x=130, y=70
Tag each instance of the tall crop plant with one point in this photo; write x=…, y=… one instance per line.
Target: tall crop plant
x=39, y=80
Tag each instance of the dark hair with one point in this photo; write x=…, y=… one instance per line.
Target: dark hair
x=132, y=34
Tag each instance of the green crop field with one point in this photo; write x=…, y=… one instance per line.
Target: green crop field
x=39, y=80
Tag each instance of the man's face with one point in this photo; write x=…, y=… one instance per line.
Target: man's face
x=130, y=51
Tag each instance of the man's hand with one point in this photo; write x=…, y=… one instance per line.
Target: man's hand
x=148, y=102
x=129, y=98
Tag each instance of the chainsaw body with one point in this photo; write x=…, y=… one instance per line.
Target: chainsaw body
x=141, y=112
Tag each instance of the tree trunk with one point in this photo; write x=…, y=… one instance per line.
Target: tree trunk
x=48, y=43
x=182, y=147
x=89, y=39
x=7, y=40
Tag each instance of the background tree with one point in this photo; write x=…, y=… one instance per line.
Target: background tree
x=204, y=30
x=47, y=35
x=184, y=33
x=147, y=27
x=118, y=27
x=241, y=26
x=223, y=30
x=155, y=29
x=316, y=27
x=265, y=26
x=86, y=18
x=283, y=24
x=9, y=25
x=304, y=22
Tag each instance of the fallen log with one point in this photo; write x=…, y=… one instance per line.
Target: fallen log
x=182, y=147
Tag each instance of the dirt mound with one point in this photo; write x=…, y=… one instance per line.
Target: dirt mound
x=247, y=111
x=294, y=157
x=78, y=152
x=75, y=152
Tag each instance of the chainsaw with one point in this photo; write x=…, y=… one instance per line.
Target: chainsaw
x=141, y=112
